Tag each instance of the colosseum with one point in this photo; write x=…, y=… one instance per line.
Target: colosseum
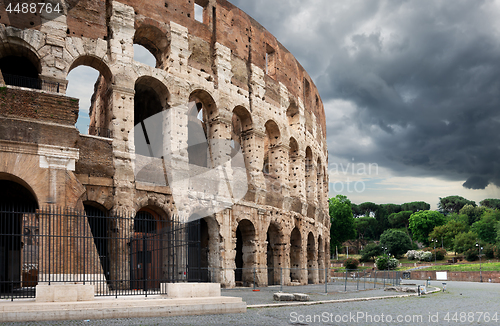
x=211, y=57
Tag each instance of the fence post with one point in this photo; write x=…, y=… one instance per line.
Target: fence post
x=375, y=280
x=385, y=275
x=345, y=282
x=326, y=280
x=254, y=278
x=364, y=280
x=281, y=279
x=357, y=283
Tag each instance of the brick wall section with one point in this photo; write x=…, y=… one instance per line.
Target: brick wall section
x=37, y=105
x=91, y=164
x=14, y=129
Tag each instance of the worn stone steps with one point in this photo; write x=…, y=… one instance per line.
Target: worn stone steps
x=103, y=308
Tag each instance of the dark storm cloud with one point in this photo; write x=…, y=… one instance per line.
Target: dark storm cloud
x=423, y=77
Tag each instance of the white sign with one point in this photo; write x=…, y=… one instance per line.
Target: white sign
x=441, y=276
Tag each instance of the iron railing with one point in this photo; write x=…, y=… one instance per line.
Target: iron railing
x=34, y=83
x=117, y=253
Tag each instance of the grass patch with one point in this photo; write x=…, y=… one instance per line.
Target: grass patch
x=465, y=267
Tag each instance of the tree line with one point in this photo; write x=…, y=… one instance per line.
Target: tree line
x=458, y=224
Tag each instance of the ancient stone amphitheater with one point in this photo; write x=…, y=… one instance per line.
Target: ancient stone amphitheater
x=248, y=87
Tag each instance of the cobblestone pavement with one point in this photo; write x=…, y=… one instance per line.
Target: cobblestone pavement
x=463, y=303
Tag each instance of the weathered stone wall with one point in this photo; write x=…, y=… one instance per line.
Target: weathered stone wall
x=221, y=64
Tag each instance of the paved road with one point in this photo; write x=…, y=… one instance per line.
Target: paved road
x=467, y=300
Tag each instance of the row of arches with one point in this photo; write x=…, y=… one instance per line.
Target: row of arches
x=305, y=263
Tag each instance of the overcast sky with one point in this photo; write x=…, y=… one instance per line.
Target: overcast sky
x=411, y=90
x=411, y=86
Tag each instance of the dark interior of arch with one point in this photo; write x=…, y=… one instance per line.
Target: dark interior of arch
x=14, y=67
x=146, y=104
x=98, y=222
x=13, y=194
x=145, y=222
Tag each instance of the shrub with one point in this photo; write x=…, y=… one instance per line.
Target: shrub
x=410, y=254
x=489, y=251
x=382, y=262
x=369, y=251
x=471, y=254
x=392, y=263
x=438, y=254
x=396, y=241
x=426, y=256
x=351, y=263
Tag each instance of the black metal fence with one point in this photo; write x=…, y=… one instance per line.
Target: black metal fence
x=118, y=254
x=34, y=83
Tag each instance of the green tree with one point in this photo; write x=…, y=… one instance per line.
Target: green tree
x=446, y=233
x=400, y=220
x=465, y=241
x=453, y=204
x=371, y=251
x=473, y=213
x=416, y=206
x=485, y=226
x=364, y=226
x=423, y=222
x=342, y=221
x=391, y=208
x=491, y=203
x=397, y=242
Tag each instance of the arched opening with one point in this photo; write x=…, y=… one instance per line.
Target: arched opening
x=309, y=169
x=20, y=66
x=245, y=253
x=271, y=156
x=202, y=109
x=273, y=255
x=19, y=243
x=295, y=255
x=321, y=260
x=319, y=181
x=143, y=55
x=89, y=80
x=241, y=123
x=293, y=172
x=293, y=115
x=146, y=249
x=311, y=258
x=155, y=42
x=98, y=219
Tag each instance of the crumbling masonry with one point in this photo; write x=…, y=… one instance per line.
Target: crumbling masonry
x=249, y=88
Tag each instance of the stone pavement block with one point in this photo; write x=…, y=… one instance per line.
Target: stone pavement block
x=301, y=297
x=283, y=297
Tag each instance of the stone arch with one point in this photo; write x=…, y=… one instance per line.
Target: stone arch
x=245, y=252
x=295, y=255
x=293, y=115
x=309, y=173
x=202, y=109
x=319, y=180
x=8, y=180
x=294, y=175
x=100, y=110
x=312, y=270
x=147, y=249
x=20, y=64
x=17, y=225
x=151, y=98
x=155, y=41
x=274, y=241
x=272, y=139
x=95, y=62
